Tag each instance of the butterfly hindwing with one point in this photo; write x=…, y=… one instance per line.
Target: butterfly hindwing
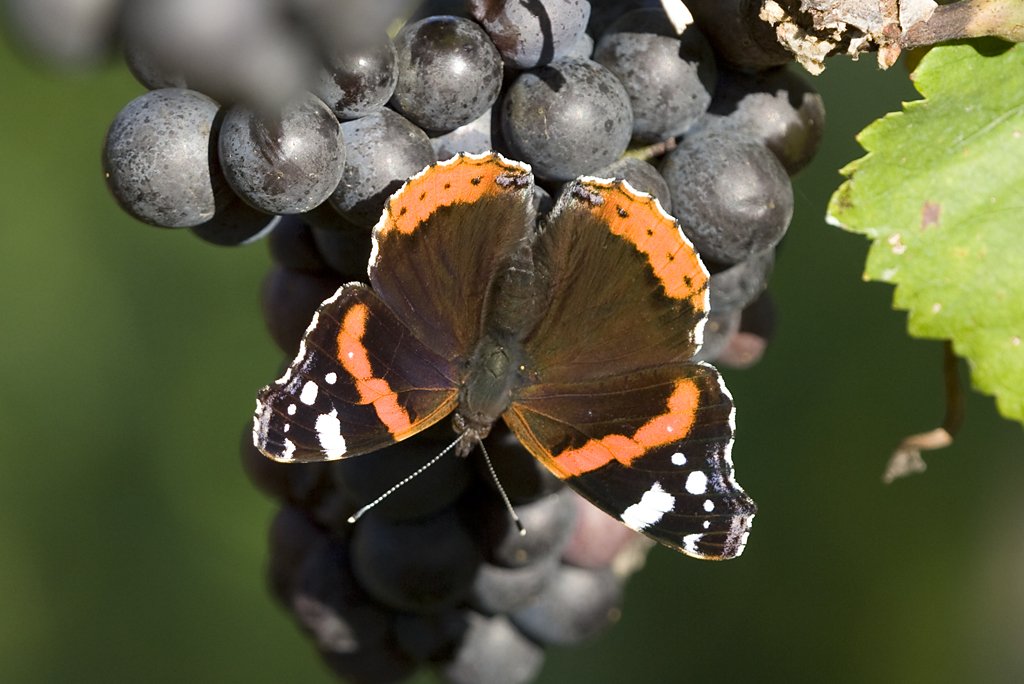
x=360, y=382
x=652, y=449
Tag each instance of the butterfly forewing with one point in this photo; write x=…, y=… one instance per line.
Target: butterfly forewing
x=443, y=240
x=625, y=289
x=360, y=382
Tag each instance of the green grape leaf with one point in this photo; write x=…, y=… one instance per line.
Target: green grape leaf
x=941, y=195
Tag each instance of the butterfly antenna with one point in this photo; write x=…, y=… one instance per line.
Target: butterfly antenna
x=501, y=490
x=408, y=478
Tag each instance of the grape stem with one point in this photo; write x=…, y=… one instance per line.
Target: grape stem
x=815, y=29
x=907, y=459
x=968, y=19
x=649, y=152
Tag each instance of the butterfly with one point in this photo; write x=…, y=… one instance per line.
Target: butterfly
x=577, y=330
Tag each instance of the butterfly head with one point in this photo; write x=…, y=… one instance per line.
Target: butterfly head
x=471, y=430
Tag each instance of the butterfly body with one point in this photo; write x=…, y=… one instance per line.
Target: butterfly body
x=577, y=333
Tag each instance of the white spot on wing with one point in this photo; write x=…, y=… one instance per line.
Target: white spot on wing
x=309, y=392
x=331, y=378
x=289, y=450
x=678, y=459
x=328, y=431
x=690, y=543
x=292, y=409
x=697, y=482
x=709, y=505
x=260, y=425
x=654, y=504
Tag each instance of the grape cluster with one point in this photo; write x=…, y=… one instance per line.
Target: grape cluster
x=298, y=118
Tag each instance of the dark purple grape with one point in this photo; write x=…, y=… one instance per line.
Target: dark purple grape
x=567, y=118
x=309, y=485
x=435, y=8
x=416, y=566
x=328, y=602
x=292, y=246
x=358, y=80
x=548, y=522
x=670, y=78
x=531, y=34
x=603, y=13
x=522, y=476
x=146, y=68
x=289, y=299
x=738, y=34
x=478, y=136
x=598, y=539
x=67, y=34
x=156, y=158
x=304, y=485
x=285, y=163
x=736, y=286
x=384, y=149
x=383, y=664
x=493, y=651
x=269, y=476
x=542, y=202
x=583, y=48
x=642, y=176
x=730, y=194
x=363, y=479
x=433, y=636
x=748, y=344
x=576, y=605
x=449, y=73
x=719, y=329
x=232, y=50
x=743, y=350
x=292, y=536
x=326, y=217
x=354, y=23
x=498, y=589
x=759, y=317
x=347, y=251
x=235, y=223
x=778, y=107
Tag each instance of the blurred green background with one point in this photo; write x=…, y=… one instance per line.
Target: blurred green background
x=133, y=548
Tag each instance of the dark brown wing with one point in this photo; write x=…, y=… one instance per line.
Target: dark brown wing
x=652, y=449
x=610, y=402
x=360, y=382
x=443, y=240
x=625, y=289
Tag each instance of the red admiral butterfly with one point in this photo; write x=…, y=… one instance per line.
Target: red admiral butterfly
x=578, y=333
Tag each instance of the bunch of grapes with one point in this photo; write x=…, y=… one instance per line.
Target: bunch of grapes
x=296, y=119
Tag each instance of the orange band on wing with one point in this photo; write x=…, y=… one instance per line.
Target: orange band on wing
x=637, y=219
x=669, y=427
x=464, y=179
x=372, y=390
